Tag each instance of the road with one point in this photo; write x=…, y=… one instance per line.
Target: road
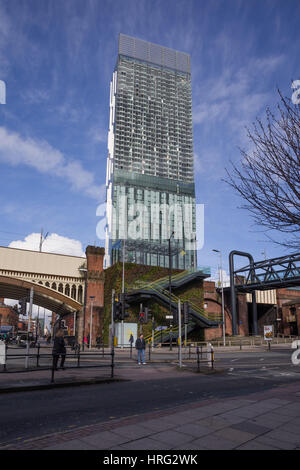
x=32, y=414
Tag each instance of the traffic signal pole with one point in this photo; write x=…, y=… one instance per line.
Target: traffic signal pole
x=112, y=318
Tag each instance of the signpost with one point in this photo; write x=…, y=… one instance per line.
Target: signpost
x=268, y=334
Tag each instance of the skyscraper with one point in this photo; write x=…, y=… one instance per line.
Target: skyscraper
x=150, y=164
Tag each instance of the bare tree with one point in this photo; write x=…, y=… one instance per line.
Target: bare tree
x=268, y=176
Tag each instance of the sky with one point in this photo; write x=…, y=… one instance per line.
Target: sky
x=57, y=59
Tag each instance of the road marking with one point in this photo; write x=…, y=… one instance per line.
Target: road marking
x=233, y=360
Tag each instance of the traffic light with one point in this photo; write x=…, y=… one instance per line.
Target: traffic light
x=185, y=313
x=117, y=313
x=124, y=307
x=22, y=303
x=120, y=307
x=146, y=316
x=141, y=317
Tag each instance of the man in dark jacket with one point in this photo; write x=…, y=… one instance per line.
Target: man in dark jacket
x=140, y=346
x=59, y=349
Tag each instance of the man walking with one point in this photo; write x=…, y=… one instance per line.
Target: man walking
x=140, y=345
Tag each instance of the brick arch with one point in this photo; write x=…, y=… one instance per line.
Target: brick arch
x=14, y=288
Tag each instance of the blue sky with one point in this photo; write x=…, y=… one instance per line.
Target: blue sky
x=57, y=58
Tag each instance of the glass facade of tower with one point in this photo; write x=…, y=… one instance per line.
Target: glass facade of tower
x=150, y=171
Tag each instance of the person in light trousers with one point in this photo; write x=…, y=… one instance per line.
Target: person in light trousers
x=140, y=346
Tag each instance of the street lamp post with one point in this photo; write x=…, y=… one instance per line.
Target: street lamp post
x=92, y=297
x=123, y=291
x=222, y=290
x=170, y=290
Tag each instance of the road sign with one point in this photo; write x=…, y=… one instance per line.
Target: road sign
x=169, y=317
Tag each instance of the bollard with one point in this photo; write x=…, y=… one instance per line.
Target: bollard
x=3, y=354
x=112, y=362
x=149, y=351
x=210, y=351
x=38, y=356
x=130, y=350
x=78, y=358
x=240, y=345
x=52, y=371
x=189, y=351
x=198, y=359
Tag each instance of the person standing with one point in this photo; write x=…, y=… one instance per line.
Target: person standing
x=140, y=345
x=59, y=349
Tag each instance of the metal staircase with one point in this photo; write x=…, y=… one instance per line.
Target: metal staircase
x=163, y=336
x=158, y=291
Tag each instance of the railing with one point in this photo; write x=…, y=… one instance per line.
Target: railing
x=201, y=353
x=76, y=358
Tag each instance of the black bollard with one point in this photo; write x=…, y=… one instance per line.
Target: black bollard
x=198, y=359
x=38, y=355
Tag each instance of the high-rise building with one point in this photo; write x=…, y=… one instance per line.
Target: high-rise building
x=150, y=164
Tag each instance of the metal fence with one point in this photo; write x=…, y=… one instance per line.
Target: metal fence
x=45, y=361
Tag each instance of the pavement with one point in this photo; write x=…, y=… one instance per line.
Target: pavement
x=264, y=420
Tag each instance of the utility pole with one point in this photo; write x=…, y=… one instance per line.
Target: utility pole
x=42, y=239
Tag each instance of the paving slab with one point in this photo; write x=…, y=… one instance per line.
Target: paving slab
x=172, y=438
x=279, y=444
x=254, y=445
x=133, y=431
x=213, y=442
x=104, y=440
x=284, y=436
x=231, y=417
x=234, y=435
x=158, y=424
x=75, y=444
x=194, y=429
x=145, y=444
x=214, y=423
x=252, y=428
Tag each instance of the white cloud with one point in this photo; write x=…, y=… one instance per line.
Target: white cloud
x=54, y=243
x=97, y=134
x=217, y=276
x=17, y=150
